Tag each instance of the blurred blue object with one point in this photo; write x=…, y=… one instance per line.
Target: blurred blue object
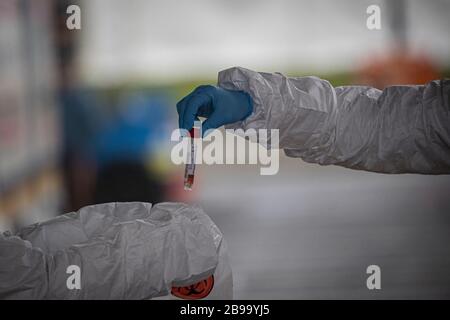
x=80, y=120
x=131, y=135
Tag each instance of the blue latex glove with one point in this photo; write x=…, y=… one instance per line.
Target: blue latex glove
x=219, y=106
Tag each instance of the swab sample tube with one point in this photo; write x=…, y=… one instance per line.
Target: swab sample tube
x=189, y=171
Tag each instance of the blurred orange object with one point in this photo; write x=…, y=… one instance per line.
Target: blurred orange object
x=397, y=68
x=195, y=291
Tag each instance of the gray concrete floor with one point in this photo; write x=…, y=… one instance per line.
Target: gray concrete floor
x=311, y=231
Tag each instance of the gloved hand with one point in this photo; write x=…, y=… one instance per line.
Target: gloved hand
x=219, y=106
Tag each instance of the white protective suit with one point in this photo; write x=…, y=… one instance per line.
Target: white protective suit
x=402, y=129
x=124, y=251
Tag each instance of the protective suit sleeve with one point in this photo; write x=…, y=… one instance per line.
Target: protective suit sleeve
x=123, y=251
x=402, y=129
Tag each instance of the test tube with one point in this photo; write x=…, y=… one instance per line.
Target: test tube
x=189, y=171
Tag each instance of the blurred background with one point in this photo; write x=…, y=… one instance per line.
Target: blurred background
x=86, y=117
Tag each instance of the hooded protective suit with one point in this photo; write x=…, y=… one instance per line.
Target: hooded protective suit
x=398, y=130
x=124, y=251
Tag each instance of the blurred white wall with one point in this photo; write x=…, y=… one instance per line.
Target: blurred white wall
x=156, y=40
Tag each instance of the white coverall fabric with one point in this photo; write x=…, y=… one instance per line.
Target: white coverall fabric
x=124, y=250
x=402, y=129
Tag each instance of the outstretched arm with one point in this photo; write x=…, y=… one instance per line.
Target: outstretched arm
x=402, y=129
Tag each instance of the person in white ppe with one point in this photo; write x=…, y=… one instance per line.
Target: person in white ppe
x=136, y=251
x=122, y=250
x=401, y=129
